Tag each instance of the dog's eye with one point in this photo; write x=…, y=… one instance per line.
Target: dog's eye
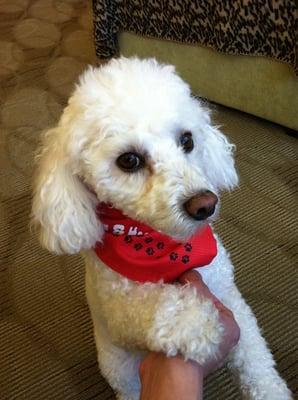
x=187, y=142
x=130, y=162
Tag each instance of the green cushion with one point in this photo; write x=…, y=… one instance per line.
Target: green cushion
x=257, y=85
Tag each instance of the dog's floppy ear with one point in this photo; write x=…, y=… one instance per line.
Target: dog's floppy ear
x=63, y=208
x=218, y=159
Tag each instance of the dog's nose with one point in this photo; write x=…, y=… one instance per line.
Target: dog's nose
x=201, y=206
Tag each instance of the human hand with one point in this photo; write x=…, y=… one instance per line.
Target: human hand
x=165, y=378
x=231, y=329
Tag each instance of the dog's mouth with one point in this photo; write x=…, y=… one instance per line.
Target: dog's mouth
x=192, y=215
x=191, y=228
x=185, y=226
x=194, y=225
x=187, y=217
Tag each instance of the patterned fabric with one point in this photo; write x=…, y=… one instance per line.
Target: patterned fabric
x=250, y=27
x=142, y=254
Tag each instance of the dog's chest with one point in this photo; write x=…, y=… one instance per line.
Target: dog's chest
x=219, y=274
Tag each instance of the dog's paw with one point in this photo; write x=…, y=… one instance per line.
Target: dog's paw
x=187, y=324
x=270, y=388
x=135, y=396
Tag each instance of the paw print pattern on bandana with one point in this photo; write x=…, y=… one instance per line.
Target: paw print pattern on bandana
x=188, y=247
x=173, y=256
x=128, y=239
x=185, y=259
x=149, y=251
x=142, y=254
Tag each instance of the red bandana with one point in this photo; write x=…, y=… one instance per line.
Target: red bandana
x=140, y=253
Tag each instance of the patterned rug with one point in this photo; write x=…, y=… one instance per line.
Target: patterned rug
x=46, y=344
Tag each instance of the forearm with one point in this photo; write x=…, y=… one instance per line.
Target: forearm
x=171, y=378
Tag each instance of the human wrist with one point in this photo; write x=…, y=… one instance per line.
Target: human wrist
x=185, y=381
x=171, y=378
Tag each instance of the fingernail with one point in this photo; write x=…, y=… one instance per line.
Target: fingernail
x=218, y=305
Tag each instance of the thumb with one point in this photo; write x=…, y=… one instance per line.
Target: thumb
x=190, y=276
x=194, y=278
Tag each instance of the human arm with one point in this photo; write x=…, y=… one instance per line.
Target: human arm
x=165, y=378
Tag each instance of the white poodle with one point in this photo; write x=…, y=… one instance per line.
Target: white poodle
x=130, y=178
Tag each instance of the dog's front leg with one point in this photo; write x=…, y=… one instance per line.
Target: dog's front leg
x=251, y=357
x=157, y=317
x=183, y=322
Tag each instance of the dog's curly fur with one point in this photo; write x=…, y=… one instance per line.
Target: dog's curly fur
x=140, y=105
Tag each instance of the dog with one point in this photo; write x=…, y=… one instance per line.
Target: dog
x=133, y=170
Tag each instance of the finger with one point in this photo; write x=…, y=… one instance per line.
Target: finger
x=189, y=277
x=194, y=278
x=221, y=307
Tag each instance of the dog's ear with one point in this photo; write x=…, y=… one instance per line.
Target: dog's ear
x=63, y=209
x=218, y=159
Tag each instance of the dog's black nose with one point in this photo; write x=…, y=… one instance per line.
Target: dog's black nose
x=201, y=206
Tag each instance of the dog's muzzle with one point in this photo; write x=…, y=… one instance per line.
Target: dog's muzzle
x=201, y=206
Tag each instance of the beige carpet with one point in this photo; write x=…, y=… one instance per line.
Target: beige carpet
x=46, y=344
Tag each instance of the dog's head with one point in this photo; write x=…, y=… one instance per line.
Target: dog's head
x=131, y=135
